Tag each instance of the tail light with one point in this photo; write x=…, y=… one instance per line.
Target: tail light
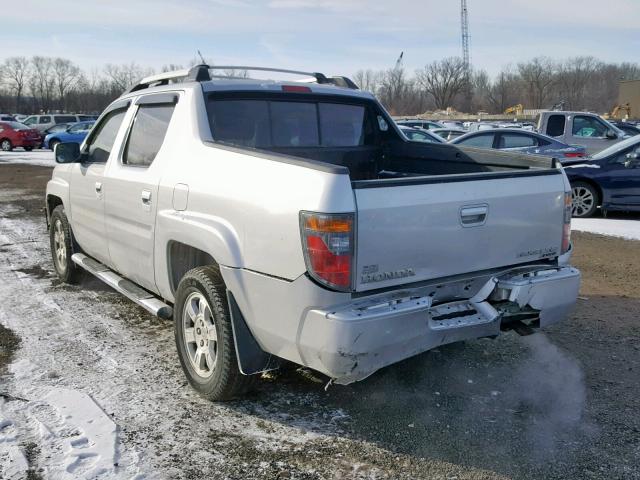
x=573, y=154
x=566, y=227
x=327, y=242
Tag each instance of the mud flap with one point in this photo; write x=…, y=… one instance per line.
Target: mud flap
x=251, y=358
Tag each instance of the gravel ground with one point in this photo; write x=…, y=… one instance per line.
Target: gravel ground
x=562, y=404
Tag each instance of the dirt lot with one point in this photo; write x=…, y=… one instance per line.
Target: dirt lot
x=563, y=404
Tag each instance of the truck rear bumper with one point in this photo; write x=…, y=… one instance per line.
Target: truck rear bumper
x=352, y=339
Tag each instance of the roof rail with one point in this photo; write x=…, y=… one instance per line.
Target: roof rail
x=200, y=73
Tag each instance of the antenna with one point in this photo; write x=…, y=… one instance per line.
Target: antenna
x=464, y=25
x=201, y=57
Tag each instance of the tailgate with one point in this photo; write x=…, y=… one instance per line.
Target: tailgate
x=440, y=226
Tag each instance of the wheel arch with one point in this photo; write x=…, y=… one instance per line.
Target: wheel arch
x=594, y=184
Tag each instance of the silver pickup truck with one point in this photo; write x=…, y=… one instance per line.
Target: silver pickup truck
x=292, y=221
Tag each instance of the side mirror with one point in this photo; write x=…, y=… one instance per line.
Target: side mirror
x=633, y=160
x=611, y=134
x=67, y=152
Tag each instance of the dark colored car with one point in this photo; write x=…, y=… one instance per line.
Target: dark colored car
x=520, y=141
x=610, y=179
x=14, y=134
x=628, y=128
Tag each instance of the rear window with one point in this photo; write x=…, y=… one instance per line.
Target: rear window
x=64, y=118
x=275, y=123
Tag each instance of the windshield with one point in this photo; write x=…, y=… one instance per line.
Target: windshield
x=618, y=147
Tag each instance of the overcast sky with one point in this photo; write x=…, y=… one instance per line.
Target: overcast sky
x=332, y=36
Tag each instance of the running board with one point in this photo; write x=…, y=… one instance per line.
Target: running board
x=133, y=292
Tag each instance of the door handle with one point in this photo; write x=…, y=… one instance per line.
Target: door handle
x=98, y=187
x=145, y=196
x=473, y=215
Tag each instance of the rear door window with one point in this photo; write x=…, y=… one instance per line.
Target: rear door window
x=481, y=141
x=555, y=125
x=65, y=118
x=147, y=134
x=513, y=140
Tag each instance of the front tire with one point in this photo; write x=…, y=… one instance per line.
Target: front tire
x=6, y=145
x=61, y=241
x=585, y=199
x=204, y=337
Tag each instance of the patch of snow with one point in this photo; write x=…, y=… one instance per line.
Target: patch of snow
x=42, y=158
x=628, y=229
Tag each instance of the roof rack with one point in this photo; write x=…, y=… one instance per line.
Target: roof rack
x=200, y=73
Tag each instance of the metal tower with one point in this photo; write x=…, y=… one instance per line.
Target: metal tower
x=464, y=23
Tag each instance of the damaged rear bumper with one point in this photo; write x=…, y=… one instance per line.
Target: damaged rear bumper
x=352, y=341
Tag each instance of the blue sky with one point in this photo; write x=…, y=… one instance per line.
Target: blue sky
x=332, y=36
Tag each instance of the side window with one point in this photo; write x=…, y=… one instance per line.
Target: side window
x=588, y=127
x=513, y=140
x=555, y=125
x=45, y=119
x=480, y=141
x=102, y=140
x=147, y=134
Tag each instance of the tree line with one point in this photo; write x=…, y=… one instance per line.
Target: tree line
x=45, y=84
x=579, y=83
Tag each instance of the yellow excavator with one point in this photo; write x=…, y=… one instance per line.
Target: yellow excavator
x=515, y=110
x=626, y=108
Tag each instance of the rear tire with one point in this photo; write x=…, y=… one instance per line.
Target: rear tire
x=204, y=336
x=6, y=145
x=585, y=199
x=61, y=241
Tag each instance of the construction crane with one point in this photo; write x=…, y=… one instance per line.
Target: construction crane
x=399, y=62
x=516, y=110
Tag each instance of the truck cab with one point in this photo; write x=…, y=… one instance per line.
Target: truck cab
x=580, y=128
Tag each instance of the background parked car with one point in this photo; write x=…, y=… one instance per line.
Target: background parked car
x=630, y=129
x=74, y=133
x=519, y=140
x=420, y=135
x=42, y=122
x=15, y=134
x=424, y=124
x=580, y=128
x=60, y=127
x=448, y=133
x=611, y=179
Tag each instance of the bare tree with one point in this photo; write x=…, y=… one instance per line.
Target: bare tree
x=368, y=80
x=14, y=73
x=66, y=74
x=125, y=75
x=443, y=80
x=573, y=77
x=42, y=82
x=538, y=77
